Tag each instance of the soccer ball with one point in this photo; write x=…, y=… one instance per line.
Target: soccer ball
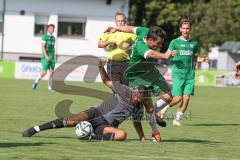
x=83, y=130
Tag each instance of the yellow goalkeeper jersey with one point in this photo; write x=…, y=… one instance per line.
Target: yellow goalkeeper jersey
x=118, y=52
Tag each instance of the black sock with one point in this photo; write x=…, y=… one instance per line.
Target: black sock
x=58, y=123
x=104, y=137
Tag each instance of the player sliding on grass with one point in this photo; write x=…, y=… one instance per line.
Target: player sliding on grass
x=183, y=71
x=141, y=69
x=47, y=57
x=106, y=117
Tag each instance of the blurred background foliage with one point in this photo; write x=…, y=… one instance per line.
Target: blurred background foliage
x=213, y=21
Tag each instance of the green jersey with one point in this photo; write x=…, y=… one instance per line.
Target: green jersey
x=49, y=41
x=138, y=65
x=183, y=63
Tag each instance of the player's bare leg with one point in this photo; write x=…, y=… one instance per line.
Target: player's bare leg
x=152, y=120
x=49, y=79
x=57, y=123
x=40, y=76
x=116, y=133
x=181, y=110
x=165, y=99
x=164, y=109
x=86, y=115
x=155, y=119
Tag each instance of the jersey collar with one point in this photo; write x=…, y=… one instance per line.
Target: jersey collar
x=49, y=34
x=185, y=39
x=144, y=40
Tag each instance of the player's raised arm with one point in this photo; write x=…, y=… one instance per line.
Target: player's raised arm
x=106, y=80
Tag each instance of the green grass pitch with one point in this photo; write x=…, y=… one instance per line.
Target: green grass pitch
x=211, y=131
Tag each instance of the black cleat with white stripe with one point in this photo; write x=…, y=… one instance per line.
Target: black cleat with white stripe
x=29, y=132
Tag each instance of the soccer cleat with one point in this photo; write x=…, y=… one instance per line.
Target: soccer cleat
x=176, y=123
x=50, y=89
x=156, y=137
x=34, y=86
x=160, y=121
x=29, y=132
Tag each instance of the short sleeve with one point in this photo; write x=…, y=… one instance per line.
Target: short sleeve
x=142, y=49
x=133, y=37
x=171, y=47
x=195, y=51
x=44, y=39
x=141, y=31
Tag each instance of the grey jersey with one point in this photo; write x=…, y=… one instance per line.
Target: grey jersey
x=121, y=104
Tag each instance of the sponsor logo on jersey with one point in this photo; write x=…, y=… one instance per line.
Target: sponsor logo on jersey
x=186, y=52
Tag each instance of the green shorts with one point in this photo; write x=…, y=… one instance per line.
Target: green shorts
x=182, y=87
x=155, y=85
x=47, y=65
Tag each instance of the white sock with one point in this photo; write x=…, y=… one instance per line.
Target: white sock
x=49, y=84
x=37, y=129
x=159, y=104
x=164, y=111
x=152, y=122
x=178, y=116
x=38, y=78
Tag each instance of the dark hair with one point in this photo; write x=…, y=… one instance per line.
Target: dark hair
x=156, y=32
x=143, y=90
x=50, y=25
x=185, y=21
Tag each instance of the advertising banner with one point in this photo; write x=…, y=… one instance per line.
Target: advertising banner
x=7, y=69
x=207, y=78
x=30, y=70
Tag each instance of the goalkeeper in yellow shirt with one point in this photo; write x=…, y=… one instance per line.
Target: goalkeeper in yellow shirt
x=118, y=46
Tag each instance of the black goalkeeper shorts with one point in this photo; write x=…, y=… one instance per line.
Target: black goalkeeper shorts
x=99, y=124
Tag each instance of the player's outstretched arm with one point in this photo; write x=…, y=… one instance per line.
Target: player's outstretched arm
x=112, y=29
x=106, y=80
x=157, y=55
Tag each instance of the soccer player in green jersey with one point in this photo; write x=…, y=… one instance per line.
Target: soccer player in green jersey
x=183, y=70
x=47, y=57
x=141, y=69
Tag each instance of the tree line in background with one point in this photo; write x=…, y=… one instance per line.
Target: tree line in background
x=213, y=21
